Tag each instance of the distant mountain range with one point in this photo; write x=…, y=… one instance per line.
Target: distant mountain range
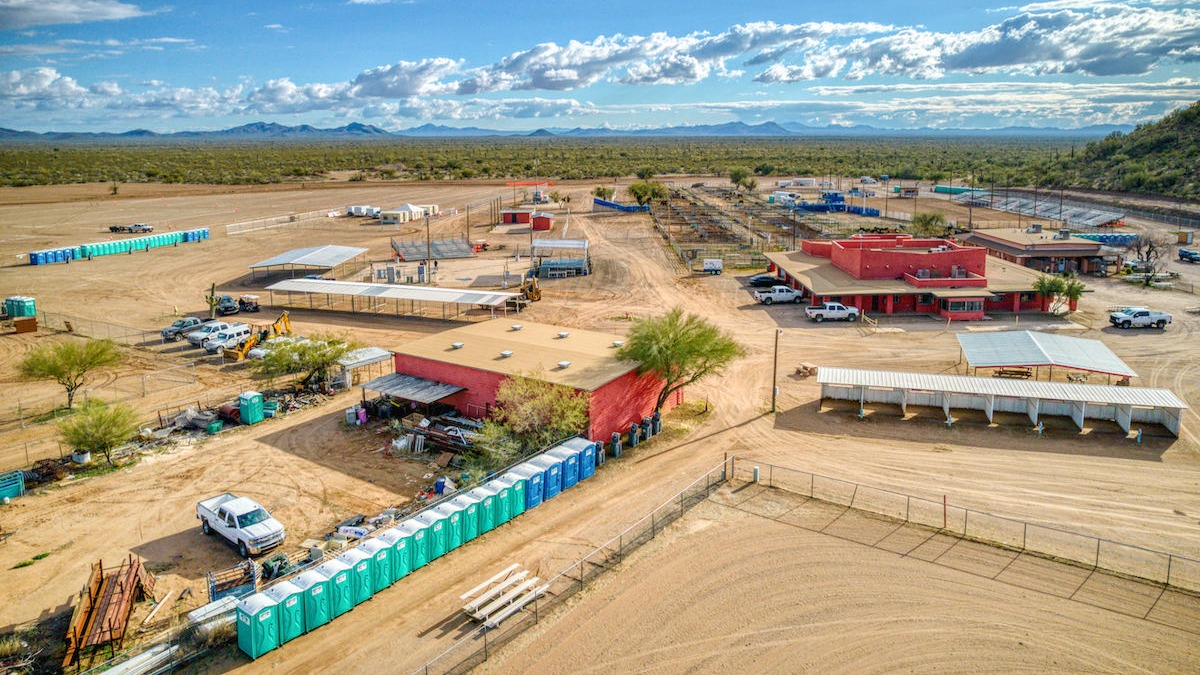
x=270, y=131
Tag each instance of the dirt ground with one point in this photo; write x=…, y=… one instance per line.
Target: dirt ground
x=313, y=473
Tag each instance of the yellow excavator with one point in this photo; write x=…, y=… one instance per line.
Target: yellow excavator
x=281, y=327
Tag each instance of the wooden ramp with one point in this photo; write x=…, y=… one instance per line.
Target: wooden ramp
x=503, y=595
x=102, y=615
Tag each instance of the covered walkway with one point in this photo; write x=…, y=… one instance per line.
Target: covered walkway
x=1079, y=402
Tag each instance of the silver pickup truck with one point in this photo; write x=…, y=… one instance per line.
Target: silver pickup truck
x=1132, y=317
x=242, y=521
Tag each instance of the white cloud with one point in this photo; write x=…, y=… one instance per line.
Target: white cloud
x=406, y=78
x=107, y=89
x=39, y=84
x=282, y=96
x=24, y=13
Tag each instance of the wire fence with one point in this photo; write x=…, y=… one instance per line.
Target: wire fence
x=1160, y=567
x=273, y=222
x=102, y=330
x=476, y=648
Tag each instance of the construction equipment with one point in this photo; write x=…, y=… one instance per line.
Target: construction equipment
x=281, y=327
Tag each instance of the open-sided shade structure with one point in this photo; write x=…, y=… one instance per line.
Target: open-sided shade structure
x=313, y=258
x=411, y=388
x=385, y=298
x=1027, y=348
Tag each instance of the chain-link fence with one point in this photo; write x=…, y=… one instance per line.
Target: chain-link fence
x=101, y=330
x=1131, y=560
x=475, y=648
x=273, y=222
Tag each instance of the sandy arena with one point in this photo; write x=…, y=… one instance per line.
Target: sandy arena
x=734, y=591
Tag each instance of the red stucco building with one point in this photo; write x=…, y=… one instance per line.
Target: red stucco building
x=896, y=273
x=480, y=356
x=516, y=216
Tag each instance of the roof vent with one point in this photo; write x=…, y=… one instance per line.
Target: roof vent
x=563, y=334
x=564, y=364
x=456, y=345
x=517, y=326
x=505, y=354
x=618, y=343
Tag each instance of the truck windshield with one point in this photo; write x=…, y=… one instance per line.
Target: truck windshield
x=252, y=518
x=179, y=323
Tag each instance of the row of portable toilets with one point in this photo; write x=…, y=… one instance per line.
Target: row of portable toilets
x=288, y=609
x=1123, y=239
x=89, y=251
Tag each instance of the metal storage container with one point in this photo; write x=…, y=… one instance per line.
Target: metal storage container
x=258, y=625
x=340, y=589
x=570, y=462
x=398, y=539
x=317, y=610
x=435, y=526
x=551, y=468
x=382, y=572
x=487, y=508
x=452, y=516
x=289, y=605
x=361, y=565
x=469, y=511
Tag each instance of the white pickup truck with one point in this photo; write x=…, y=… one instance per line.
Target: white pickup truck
x=832, y=311
x=1131, y=317
x=778, y=294
x=242, y=521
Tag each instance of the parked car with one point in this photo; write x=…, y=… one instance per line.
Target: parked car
x=233, y=336
x=762, y=280
x=831, y=310
x=198, y=336
x=139, y=228
x=778, y=294
x=1189, y=255
x=176, y=331
x=242, y=521
x=227, y=305
x=1139, y=317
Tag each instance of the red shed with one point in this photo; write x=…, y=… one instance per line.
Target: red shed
x=516, y=216
x=479, y=356
x=542, y=221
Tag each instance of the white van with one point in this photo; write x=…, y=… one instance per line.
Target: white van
x=230, y=337
x=198, y=336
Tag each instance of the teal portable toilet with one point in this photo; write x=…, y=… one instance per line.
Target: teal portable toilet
x=398, y=539
x=251, y=404
x=452, y=516
x=469, y=511
x=258, y=625
x=382, y=573
x=504, y=498
x=418, y=543
x=435, y=525
x=289, y=605
x=340, y=589
x=315, y=588
x=360, y=565
x=516, y=485
x=487, y=508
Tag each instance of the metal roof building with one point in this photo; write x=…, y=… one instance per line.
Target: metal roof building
x=1008, y=349
x=1080, y=402
x=316, y=257
x=387, y=298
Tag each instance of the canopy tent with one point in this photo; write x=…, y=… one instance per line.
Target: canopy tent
x=1009, y=349
x=315, y=257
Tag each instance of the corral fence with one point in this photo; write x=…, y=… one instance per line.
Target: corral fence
x=101, y=330
x=476, y=647
x=26, y=412
x=16, y=456
x=273, y=222
x=1159, y=567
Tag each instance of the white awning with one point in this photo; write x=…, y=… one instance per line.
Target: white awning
x=364, y=357
x=317, y=256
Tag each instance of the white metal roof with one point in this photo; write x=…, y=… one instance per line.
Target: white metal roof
x=393, y=291
x=998, y=386
x=315, y=256
x=1028, y=348
x=364, y=357
x=558, y=244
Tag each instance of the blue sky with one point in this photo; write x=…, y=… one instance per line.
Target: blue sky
x=114, y=65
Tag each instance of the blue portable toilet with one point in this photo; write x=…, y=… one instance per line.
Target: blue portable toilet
x=317, y=611
x=398, y=539
x=551, y=474
x=487, y=508
x=289, y=604
x=258, y=625
x=382, y=571
x=418, y=543
x=59, y=255
x=533, y=484
x=361, y=566
x=340, y=589
x=435, y=530
x=469, y=511
x=452, y=516
x=516, y=485
x=570, y=462
x=587, y=451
